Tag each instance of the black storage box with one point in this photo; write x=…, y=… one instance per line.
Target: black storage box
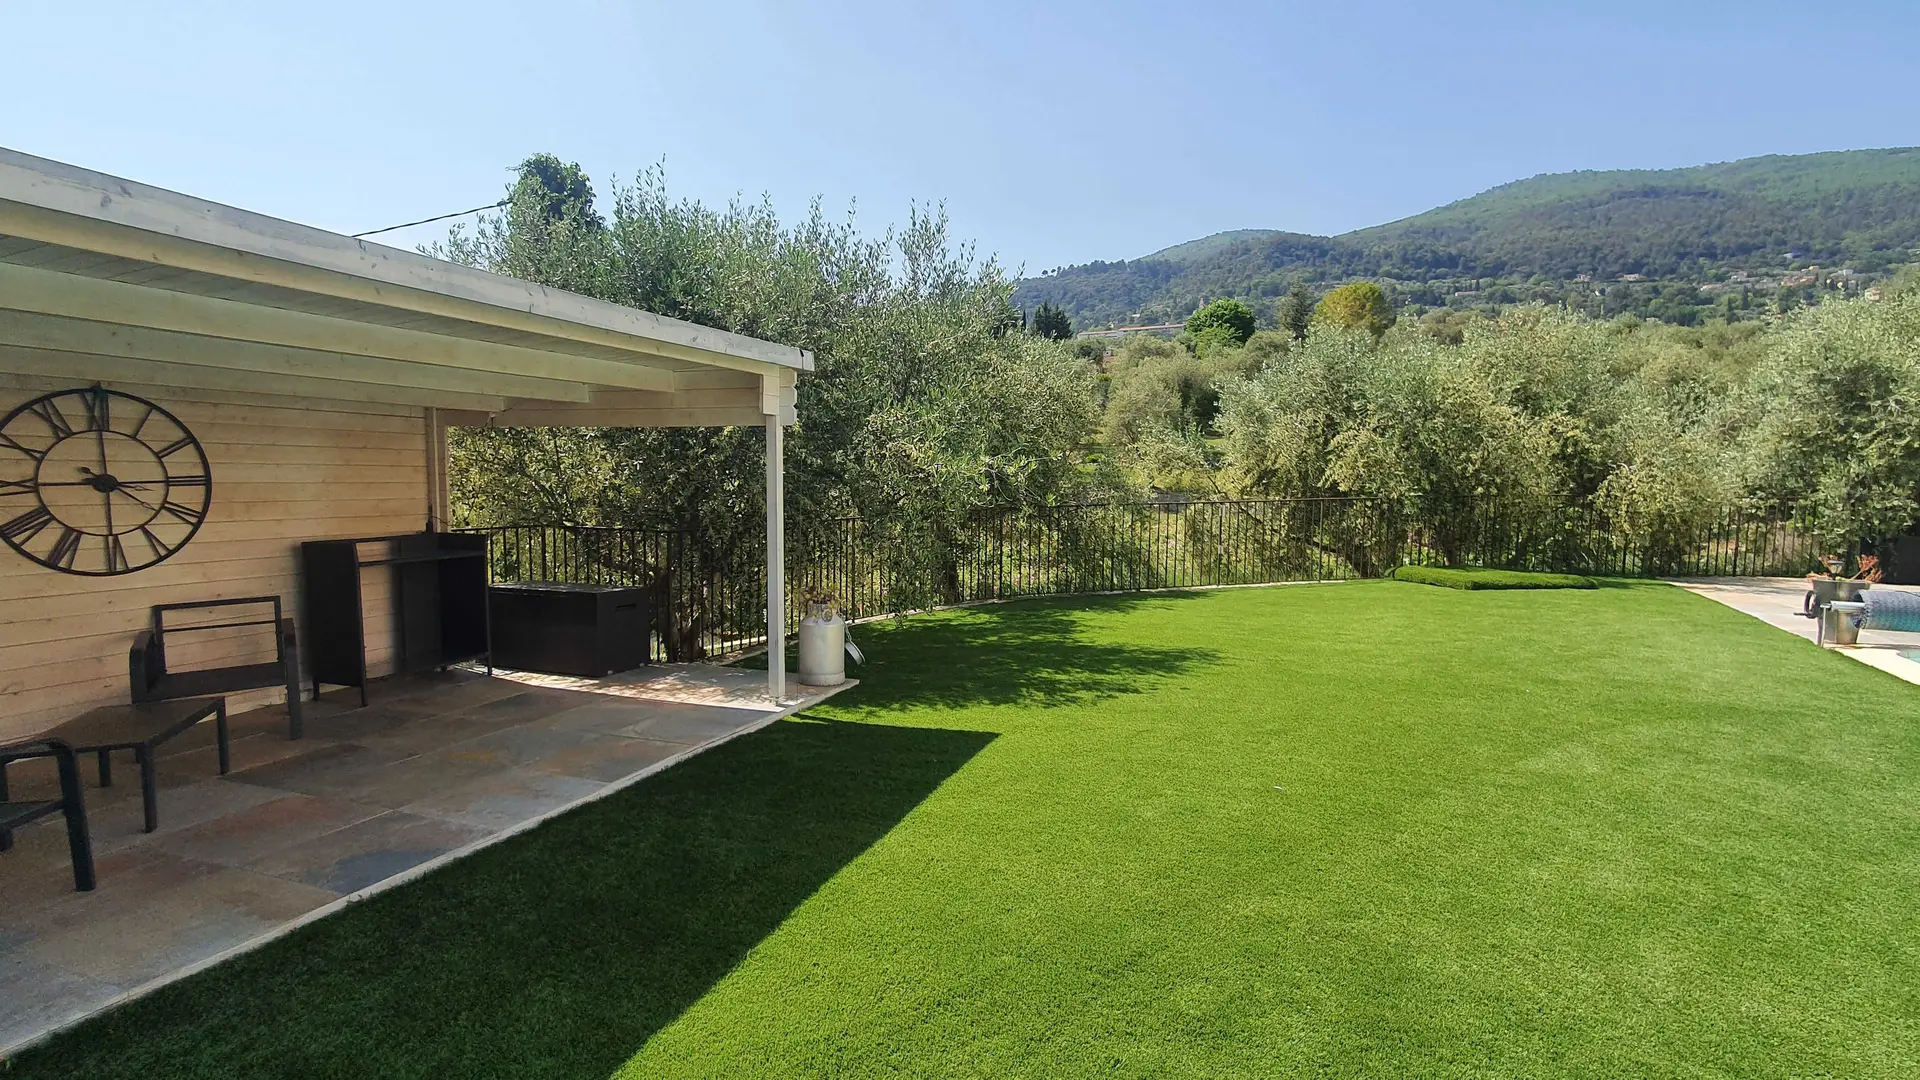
x=1903, y=562
x=588, y=630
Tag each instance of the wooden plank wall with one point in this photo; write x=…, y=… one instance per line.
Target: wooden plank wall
x=285, y=469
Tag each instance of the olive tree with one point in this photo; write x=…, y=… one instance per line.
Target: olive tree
x=923, y=406
x=1835, y=413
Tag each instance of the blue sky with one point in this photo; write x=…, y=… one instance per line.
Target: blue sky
x=1055, y=133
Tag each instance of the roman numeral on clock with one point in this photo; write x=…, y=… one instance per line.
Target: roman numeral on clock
x=19, y=447
x=161, y=549
x=99, y=410
x=57, y=420
x=189, y=514
x=28, y=525
x=116, y=554
x=65, y=548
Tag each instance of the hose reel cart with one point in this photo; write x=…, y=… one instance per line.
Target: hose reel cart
x=1876, y=609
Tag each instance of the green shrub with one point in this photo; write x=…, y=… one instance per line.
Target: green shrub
x=1223, y=322
x=1490, y=579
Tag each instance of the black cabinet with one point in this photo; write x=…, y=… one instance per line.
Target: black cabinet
x=439, y=584
x=589, y=630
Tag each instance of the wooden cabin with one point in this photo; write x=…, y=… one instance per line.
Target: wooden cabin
x=313, y=377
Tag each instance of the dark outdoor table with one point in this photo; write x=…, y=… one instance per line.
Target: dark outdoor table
x=140, y=728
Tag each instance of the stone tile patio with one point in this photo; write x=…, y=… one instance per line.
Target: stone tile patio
x=1776, y=601
x=374, y=796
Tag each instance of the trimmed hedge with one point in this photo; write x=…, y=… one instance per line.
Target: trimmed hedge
x=1491, y=579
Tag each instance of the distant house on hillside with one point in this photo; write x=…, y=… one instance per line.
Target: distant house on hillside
x=1162, y=329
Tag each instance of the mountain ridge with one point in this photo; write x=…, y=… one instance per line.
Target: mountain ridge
x=1853, y=212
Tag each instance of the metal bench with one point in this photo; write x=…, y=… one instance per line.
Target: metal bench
x=70, y=803
x=150, y=680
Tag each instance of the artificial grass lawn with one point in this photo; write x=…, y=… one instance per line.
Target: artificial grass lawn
x=1348, y=830
x=1473, y=578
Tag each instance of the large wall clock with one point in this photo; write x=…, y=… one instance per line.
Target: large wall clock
x=97, y=482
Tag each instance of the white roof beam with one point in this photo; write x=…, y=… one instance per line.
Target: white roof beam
x=112, y=369
x=72, y=296
x=542, y=414
x=62, y=334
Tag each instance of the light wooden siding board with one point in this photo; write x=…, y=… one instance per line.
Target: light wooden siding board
x=244, y=434
x=285, y=469
x=299, y=406
x=239, y=560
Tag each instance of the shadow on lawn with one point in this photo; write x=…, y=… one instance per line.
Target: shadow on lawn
x=556, y=954
x=1027, y=652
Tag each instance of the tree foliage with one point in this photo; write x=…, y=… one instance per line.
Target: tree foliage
x=1359, y=306
x=1836, y=417
x=1294, y=313
x=921, y=406
x=927, y=405
x=1223, y=322
x=1542, y=411
x=1051, y=323
x=1159, y=389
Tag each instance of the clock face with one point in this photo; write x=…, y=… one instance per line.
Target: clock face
x=97, y=482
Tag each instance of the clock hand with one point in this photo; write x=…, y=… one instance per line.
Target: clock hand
x=122, y=490
x=93, y=481
x=106, y=497
x=84, y=471
x=89, y=483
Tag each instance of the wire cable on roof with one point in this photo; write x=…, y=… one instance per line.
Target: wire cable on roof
x=428, y=221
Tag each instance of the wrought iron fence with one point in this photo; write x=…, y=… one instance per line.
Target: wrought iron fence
x=703, y=605
x=709, y=594
x=1571, y=538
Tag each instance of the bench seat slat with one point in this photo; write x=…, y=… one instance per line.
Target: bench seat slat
x=225, y=680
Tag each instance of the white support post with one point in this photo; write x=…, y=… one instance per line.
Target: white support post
x=776, y=560
x=436, y=471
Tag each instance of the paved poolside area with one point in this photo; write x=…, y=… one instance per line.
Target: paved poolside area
x=435, y=767
x=1777, y=602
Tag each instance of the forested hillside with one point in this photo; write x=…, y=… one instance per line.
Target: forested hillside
x=1739, y=238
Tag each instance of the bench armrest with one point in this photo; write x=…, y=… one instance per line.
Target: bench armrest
x=146, y=665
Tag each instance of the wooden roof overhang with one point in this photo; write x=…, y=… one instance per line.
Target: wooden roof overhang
x=119, y=280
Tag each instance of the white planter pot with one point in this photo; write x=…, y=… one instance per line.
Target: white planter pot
x=823, y=648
